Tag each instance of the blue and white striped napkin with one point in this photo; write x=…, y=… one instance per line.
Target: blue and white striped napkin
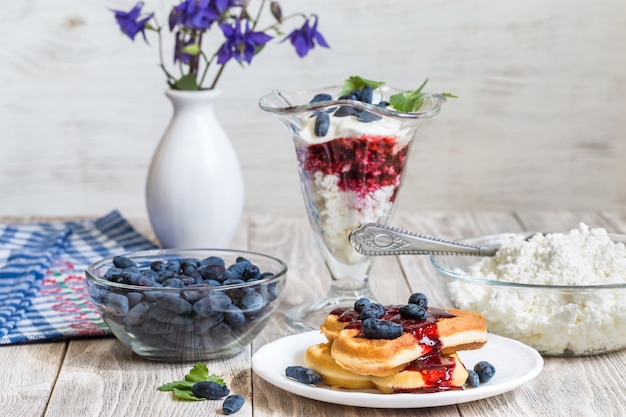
x=43, y=293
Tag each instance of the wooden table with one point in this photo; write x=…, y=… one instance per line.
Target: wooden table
x=100, y=377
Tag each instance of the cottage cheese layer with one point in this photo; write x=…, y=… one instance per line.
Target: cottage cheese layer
x=554, y=321
x=347, y=181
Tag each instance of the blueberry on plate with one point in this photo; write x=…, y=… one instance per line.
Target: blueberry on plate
x=472, y=379
x=303, y=375
x=381, y=329
x=413, y=311
x=485, y=371
x=372, y=310
x=361, y=303
x=419, y=299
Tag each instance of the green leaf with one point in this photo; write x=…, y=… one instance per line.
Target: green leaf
x=186, y=395
x=356, y=83
x=449, y=95
x=193, y=49
x=176, y=384
x=187, y=83
x=199, y=372
x=408, y=101
x=182, y=389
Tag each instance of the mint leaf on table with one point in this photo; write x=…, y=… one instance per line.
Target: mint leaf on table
x=199, y=372
x=356, y=83
x=182, y=389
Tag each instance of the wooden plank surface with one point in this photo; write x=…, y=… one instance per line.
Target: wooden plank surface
x=100, y=377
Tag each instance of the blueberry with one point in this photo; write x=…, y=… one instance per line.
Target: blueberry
x=361, y=303
x=129, y=276
x=372, y=310
x=213, y=272
x=173, y=266
x=366, y=93
x=189, y=262
x=381, y=329
x=228, y=274
x=173, y=303
x=138, y=314
x=232, y=404
x=113, y=273
x=485, y=371
x=233, y=281
x=322, y=123
x=472, y=379
x=146, y=281
x=209, y=390
x=164, y=315
x=239, y=268
x=344, y=111
x=303, y=375
x=321, y=97
x=234, y=316
x=116, y=304
x=413, y=311
x=203, y=325
x=251, y=273
x=211, y=304
x=419, y=299
x=123, y=262
x=157, y=266
x=252, y=303
x=213, y=260
x=173, y=283
x=366, y=117
x=383, y=103
x=164, y=275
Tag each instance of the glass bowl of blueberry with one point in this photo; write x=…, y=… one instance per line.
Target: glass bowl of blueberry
x=187, y=305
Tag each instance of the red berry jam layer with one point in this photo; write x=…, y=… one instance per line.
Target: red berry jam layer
x=363, y=165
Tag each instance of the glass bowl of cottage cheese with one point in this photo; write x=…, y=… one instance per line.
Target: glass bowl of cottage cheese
x=562, y=293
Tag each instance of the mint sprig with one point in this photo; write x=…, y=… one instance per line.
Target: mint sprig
x=412, y=101
x=356, y=83
x=182, y=389
x=406, y=102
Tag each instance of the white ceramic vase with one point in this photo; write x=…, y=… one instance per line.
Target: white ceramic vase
x=194, y=191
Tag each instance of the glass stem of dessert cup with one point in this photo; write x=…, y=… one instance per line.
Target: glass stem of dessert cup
x=351, y=160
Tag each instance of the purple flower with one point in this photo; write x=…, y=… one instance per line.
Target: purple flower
x=129, y=23
x=197, y=14
x=240, y=45
x=303, y=39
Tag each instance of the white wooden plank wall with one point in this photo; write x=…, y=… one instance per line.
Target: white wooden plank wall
x=540, y=123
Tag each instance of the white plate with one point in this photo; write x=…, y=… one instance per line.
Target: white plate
x=515, y=364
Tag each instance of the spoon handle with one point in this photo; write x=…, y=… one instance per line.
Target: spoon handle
x=374, y=239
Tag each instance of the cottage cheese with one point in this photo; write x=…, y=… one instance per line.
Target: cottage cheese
x=554, y=321
x=342, y=211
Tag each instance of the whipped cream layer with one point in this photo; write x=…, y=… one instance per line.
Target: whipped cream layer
x=350, y=126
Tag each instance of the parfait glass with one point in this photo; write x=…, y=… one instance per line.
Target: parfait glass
x=351, y=158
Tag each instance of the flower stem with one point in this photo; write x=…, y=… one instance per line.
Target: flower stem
x=217, y=76
x=170, y=77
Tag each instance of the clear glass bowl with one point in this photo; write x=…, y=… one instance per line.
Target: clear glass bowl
x=191, y=323
x=556, y=320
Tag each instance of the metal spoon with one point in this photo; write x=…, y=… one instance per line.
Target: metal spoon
x=375, y=239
